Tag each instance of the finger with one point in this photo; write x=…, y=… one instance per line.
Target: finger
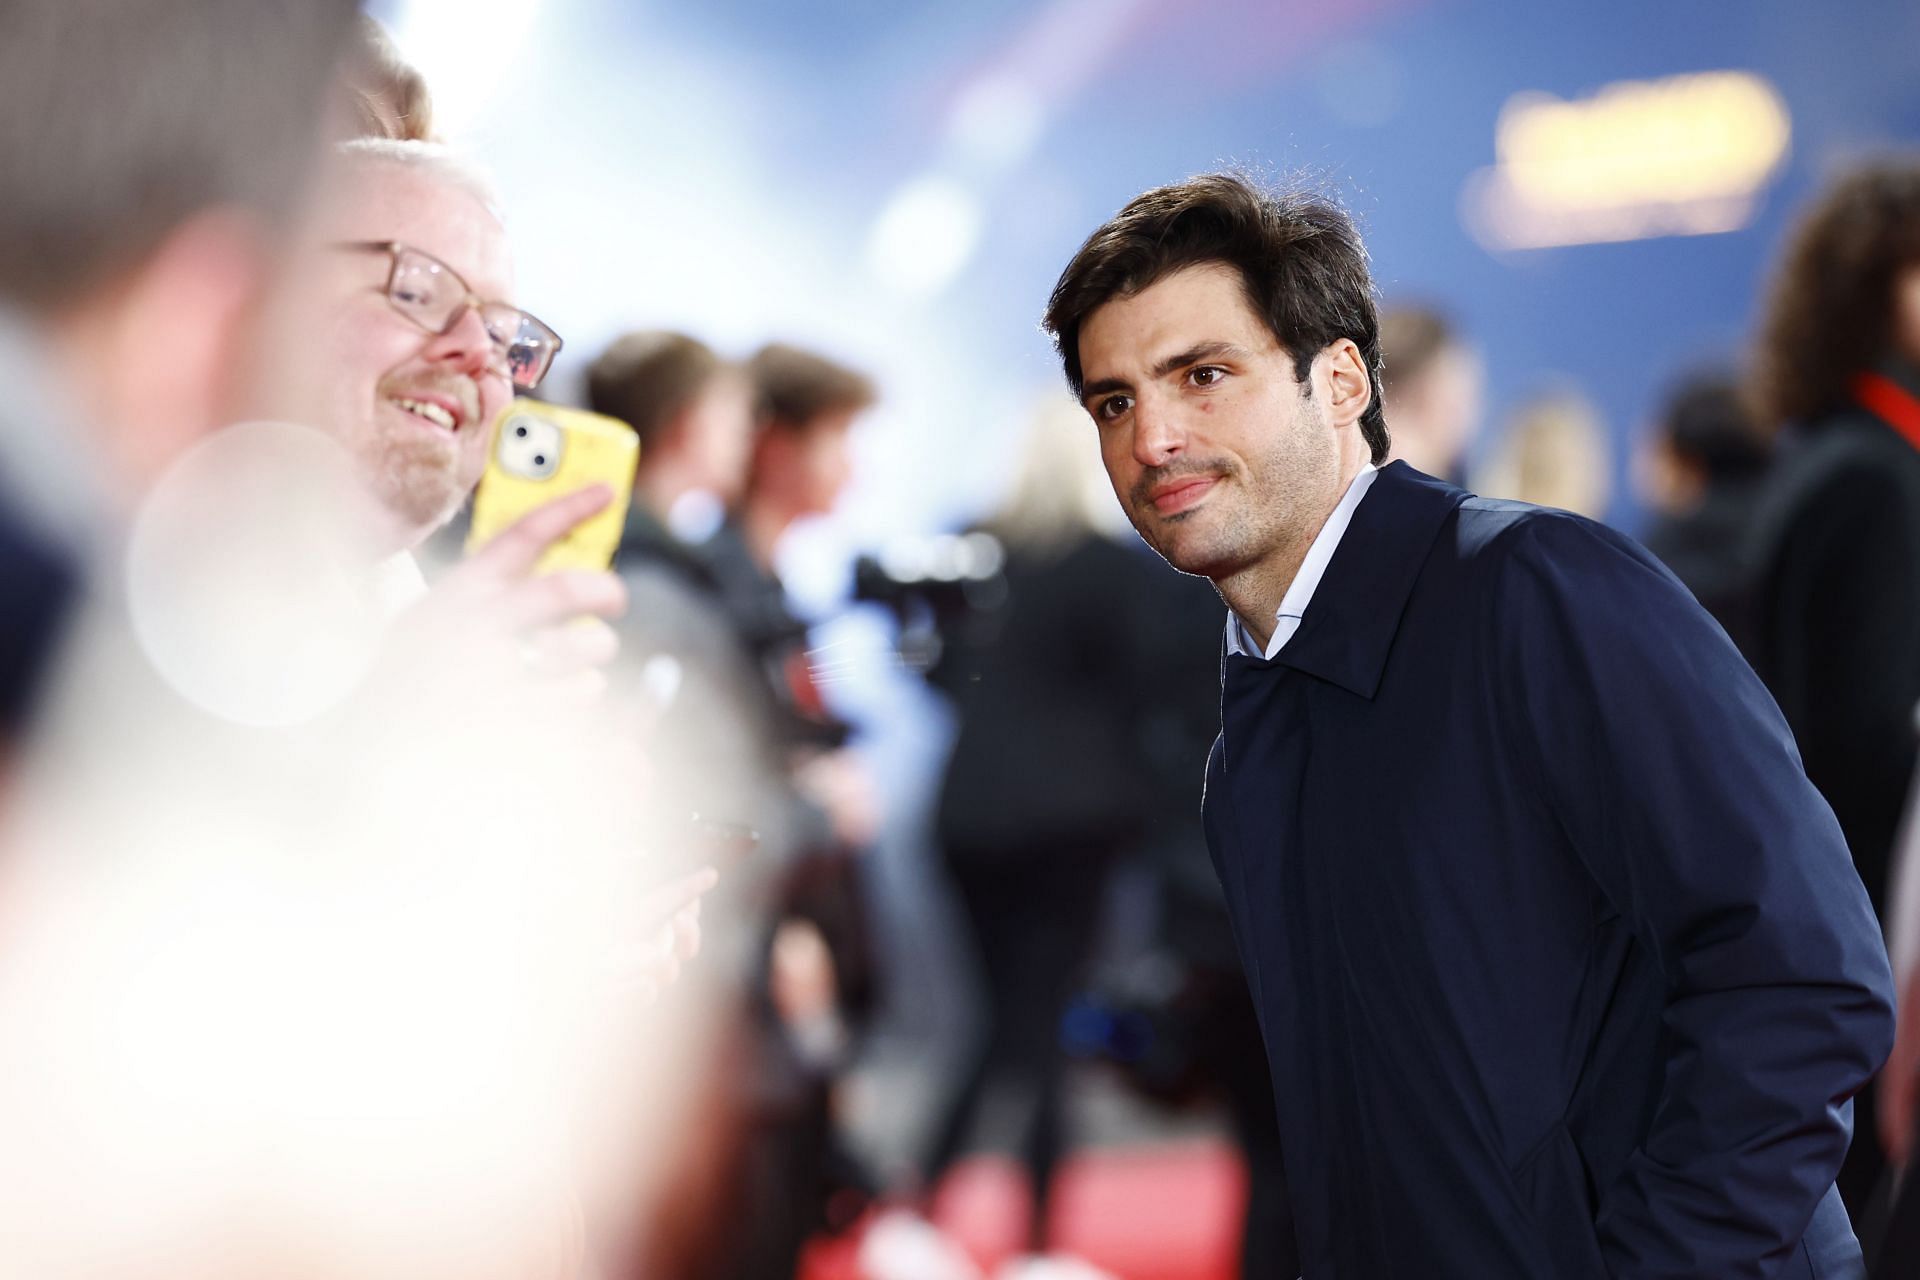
x=667, y=901
x=520, y=545
x=686, y=933
x=559, y=597
x=583, y=642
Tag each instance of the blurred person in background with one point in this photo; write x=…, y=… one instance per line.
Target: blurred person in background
x=690, y=686
x=1836, y=542
x=138, y=227
x=1897, y=1091
x=1046, y=789
x=800, y=463
x=1086, y=699
x=1553, y=453
x=1432, y=383
x=1701, y=473
x=691, y=681
x=774, y=1156
x=1489, y=786
x=694, y=414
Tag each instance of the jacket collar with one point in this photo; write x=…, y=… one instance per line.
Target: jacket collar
x=1348, y=629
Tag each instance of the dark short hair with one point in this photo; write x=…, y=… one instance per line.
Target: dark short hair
x=1707, y=418
x=1829, y=316
x=121, y=120
x=646, y=379
x=1299, y=256
x=794, y=387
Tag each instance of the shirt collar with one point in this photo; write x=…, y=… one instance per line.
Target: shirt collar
x=1372, y=576
x=1312, y=569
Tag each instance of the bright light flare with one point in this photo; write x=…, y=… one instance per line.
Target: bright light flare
x=1686, y=155
x=924, y=236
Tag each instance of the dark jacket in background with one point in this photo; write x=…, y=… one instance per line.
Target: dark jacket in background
x=1561, y=962
x=1836, y=636
x=1837, y=621
x=1707, y=550
x=1051, y=749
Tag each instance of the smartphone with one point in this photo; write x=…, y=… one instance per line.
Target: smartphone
x=540, y=452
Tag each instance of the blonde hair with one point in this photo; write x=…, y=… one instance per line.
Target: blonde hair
x=388, y=95
x=434, y=158
x=1556, y=453
x=1061, y=492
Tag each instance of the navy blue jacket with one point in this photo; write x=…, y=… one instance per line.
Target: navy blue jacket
x=1563, y=968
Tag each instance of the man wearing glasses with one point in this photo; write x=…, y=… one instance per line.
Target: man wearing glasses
x=408, y=346
x=419, y=347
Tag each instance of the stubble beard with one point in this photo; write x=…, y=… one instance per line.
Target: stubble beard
x=417, y=479
x=1184, y=540
x=1259, y=510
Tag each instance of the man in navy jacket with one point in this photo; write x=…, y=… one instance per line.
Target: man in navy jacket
x=1562, y=965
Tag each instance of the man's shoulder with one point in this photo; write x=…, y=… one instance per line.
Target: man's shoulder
x=1499, y=536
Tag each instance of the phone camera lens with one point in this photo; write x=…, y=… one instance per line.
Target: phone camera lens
x=539, y=459
x=520, y=431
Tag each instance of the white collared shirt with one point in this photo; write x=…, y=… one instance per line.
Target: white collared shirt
x=1293, y=606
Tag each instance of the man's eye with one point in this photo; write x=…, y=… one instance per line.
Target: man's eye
x=1207, y=375
x=1114, y=406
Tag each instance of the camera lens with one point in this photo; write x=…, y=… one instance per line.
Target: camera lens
x=539, y=459
x=520, y=431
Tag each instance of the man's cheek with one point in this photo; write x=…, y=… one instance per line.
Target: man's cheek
x=473, y=454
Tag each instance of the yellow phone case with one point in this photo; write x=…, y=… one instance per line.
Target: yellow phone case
x=540, y=452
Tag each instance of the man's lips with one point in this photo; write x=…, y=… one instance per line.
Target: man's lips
x=1180, y=495
x=441, y=411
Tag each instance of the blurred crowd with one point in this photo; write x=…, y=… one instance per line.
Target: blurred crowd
x=372, y=906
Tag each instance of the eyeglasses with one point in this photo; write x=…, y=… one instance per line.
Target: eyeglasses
x=431, y=294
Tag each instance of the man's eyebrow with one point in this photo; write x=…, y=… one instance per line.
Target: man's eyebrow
x=1192, y=355
x=1195, y=354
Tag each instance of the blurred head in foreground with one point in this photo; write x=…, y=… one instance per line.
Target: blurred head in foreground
x=152, y=153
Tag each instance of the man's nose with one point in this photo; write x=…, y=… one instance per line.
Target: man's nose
x=465, y=344
x=1158, y=436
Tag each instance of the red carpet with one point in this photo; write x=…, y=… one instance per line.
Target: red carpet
x=1143, y=1213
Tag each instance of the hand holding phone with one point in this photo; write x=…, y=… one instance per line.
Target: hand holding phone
x=541, y=452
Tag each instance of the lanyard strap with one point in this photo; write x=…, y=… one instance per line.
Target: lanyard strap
x=1891, y=403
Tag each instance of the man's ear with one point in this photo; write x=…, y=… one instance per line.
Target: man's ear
x=173, y=339
x=1349, y=389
